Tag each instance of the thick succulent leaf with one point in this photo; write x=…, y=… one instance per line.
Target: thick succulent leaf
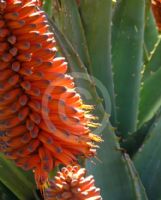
x=15, y=180
x=127, y=56
x=148, y=162
x=151, y=33
x=150, y=100
x=6, y=194
x=37, y=195
x=133, y=142
x=150, y=97
x=56, y=16
x=114, y=172
x=96, y=18
x=111, y=173
x=139, y=189
x=154, y=61
x=70, y=24
x=48, y=7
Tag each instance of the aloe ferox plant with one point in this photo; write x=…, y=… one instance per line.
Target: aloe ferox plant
x=108, y=99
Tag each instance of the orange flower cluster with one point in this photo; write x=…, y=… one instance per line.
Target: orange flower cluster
x=43, y=121
x=156, y=7
x=71, y=184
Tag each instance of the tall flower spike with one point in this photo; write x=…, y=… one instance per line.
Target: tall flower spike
x=43, y=121
x=156, y=7
x=71, y=184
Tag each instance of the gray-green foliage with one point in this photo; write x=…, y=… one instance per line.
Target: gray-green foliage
x=120, y=41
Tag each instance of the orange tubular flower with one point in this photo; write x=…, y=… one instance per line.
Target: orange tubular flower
x=70, y=184
x=43, y=121
x=156, y=7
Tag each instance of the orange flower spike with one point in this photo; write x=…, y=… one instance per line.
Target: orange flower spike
x=71, y=184
x=43, y=121
x=156, y=7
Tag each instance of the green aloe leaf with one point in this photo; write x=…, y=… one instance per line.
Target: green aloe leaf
x=150, y=78
x=139, y=189
x=6, y=194
x=151, y=41
x=15, y=180
x=154, y=61
x=112, y=174
x=127, y=57
x=71, y=25
x=150, y=100
x=134, y=141
x=37, y=195
x=148, y=163
x=150, y=32
x=48, y=7
x=96, y=18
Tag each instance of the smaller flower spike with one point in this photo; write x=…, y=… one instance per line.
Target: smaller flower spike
x=71, y=184
x=156, y=7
